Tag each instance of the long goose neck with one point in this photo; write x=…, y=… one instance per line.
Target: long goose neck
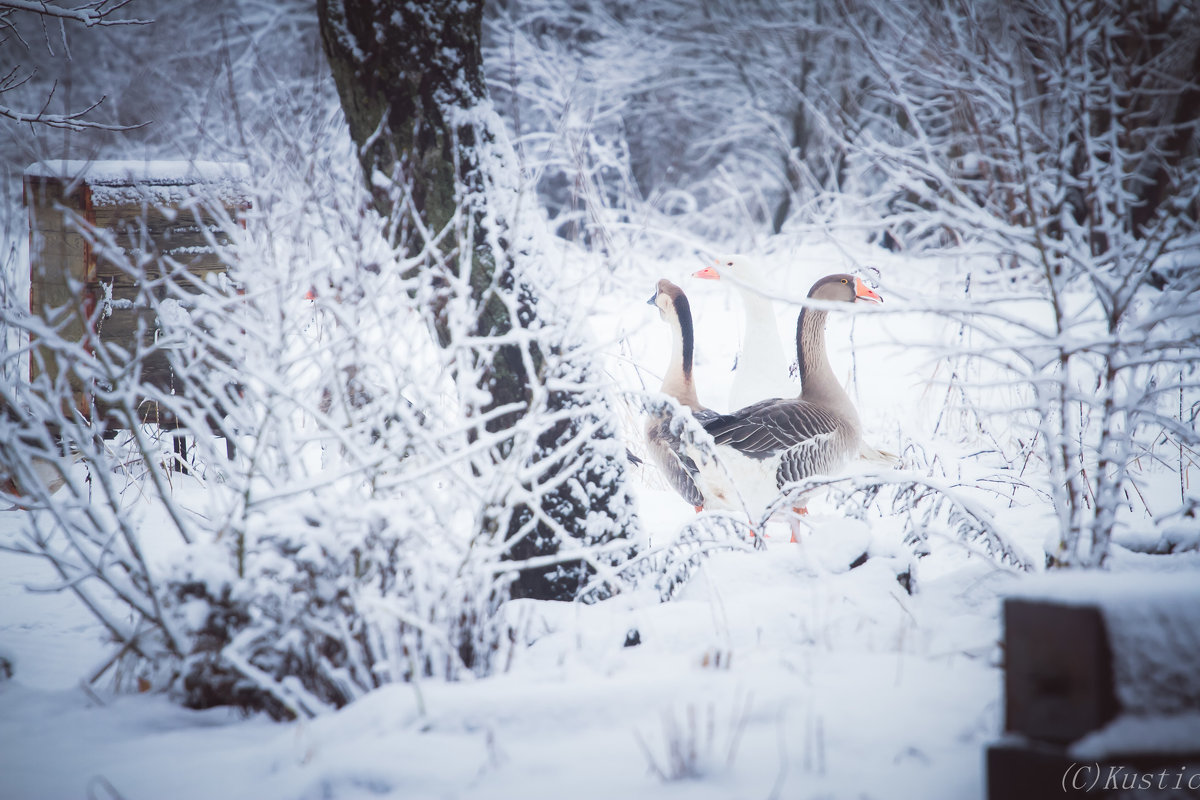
x=678, y=381
x=818, y=383
x=754, y=302
x=761, y=344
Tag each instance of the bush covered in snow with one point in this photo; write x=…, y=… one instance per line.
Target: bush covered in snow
x=356, y=501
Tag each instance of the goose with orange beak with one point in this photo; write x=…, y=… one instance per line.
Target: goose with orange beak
x=762, y=364
x=772, y=443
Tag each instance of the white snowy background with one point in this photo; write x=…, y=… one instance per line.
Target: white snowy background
x=772, y=673
x=777, y=673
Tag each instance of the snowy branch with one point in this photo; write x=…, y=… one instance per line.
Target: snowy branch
x=70, y=121
x=87, y=14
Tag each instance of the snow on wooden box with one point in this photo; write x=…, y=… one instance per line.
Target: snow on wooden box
x=1150, y=636
x=106, y=231
x=1100, y=670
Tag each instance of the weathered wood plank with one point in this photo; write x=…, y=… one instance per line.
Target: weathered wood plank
x=154, y=218
x=1058, y=677
x=198, y=264
x=1028, y=770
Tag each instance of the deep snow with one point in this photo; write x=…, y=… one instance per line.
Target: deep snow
x=820, y=683
x=777, y=673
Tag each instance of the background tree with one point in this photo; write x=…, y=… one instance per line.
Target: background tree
x=727, y=121
x=439, y=168
x=1054, y=148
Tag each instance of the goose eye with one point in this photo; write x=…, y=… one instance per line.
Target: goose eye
x=845, y=281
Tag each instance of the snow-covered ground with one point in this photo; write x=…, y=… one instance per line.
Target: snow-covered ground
x=776, y=673
x=769, y=676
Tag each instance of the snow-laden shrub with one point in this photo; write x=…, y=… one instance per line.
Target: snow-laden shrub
x=323, y=615
x=342, y=516
x=1050, y=151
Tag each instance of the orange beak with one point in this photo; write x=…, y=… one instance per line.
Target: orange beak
x=864, y=292
x=710, y=273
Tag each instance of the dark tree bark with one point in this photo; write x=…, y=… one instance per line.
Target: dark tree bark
x=411, y=81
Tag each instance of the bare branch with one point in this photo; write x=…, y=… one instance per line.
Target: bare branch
x=91, y=14
x=71, y=121
x=88, y=14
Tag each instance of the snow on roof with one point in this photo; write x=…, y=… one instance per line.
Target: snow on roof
x=163, y=183
x=141, y=172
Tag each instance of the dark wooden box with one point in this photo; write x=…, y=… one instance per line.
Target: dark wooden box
x=1101, y=695
x=1058, y=681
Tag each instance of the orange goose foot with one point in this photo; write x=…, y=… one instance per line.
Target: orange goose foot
x=799, y=511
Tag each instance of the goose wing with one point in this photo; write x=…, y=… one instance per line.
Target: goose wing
x=671, y=453
x=772, y=427
x=806, y=438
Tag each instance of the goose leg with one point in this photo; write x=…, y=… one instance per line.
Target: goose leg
x=794, y=523
x=759, y=540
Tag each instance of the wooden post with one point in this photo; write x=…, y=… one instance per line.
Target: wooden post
x=1058, y=677
x=61, y=262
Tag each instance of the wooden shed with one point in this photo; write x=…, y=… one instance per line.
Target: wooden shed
x=105, y=232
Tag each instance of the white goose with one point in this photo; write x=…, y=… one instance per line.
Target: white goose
x=763, y=367
x=773, y=442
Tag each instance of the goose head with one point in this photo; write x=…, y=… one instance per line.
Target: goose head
x=844, y=288
x=674, y=309
x=671, y=302
x=820, y=386
x=739, y=269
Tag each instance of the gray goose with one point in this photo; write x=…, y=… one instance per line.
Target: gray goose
x=775, y=442
x=670, y=447
x=762, y=367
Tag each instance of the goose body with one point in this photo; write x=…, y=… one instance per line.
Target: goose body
x=670, y=436
x=774, y=442
x=763, y=365
x=763, y=368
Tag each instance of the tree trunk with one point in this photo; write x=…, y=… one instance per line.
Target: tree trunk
x=412, y=88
